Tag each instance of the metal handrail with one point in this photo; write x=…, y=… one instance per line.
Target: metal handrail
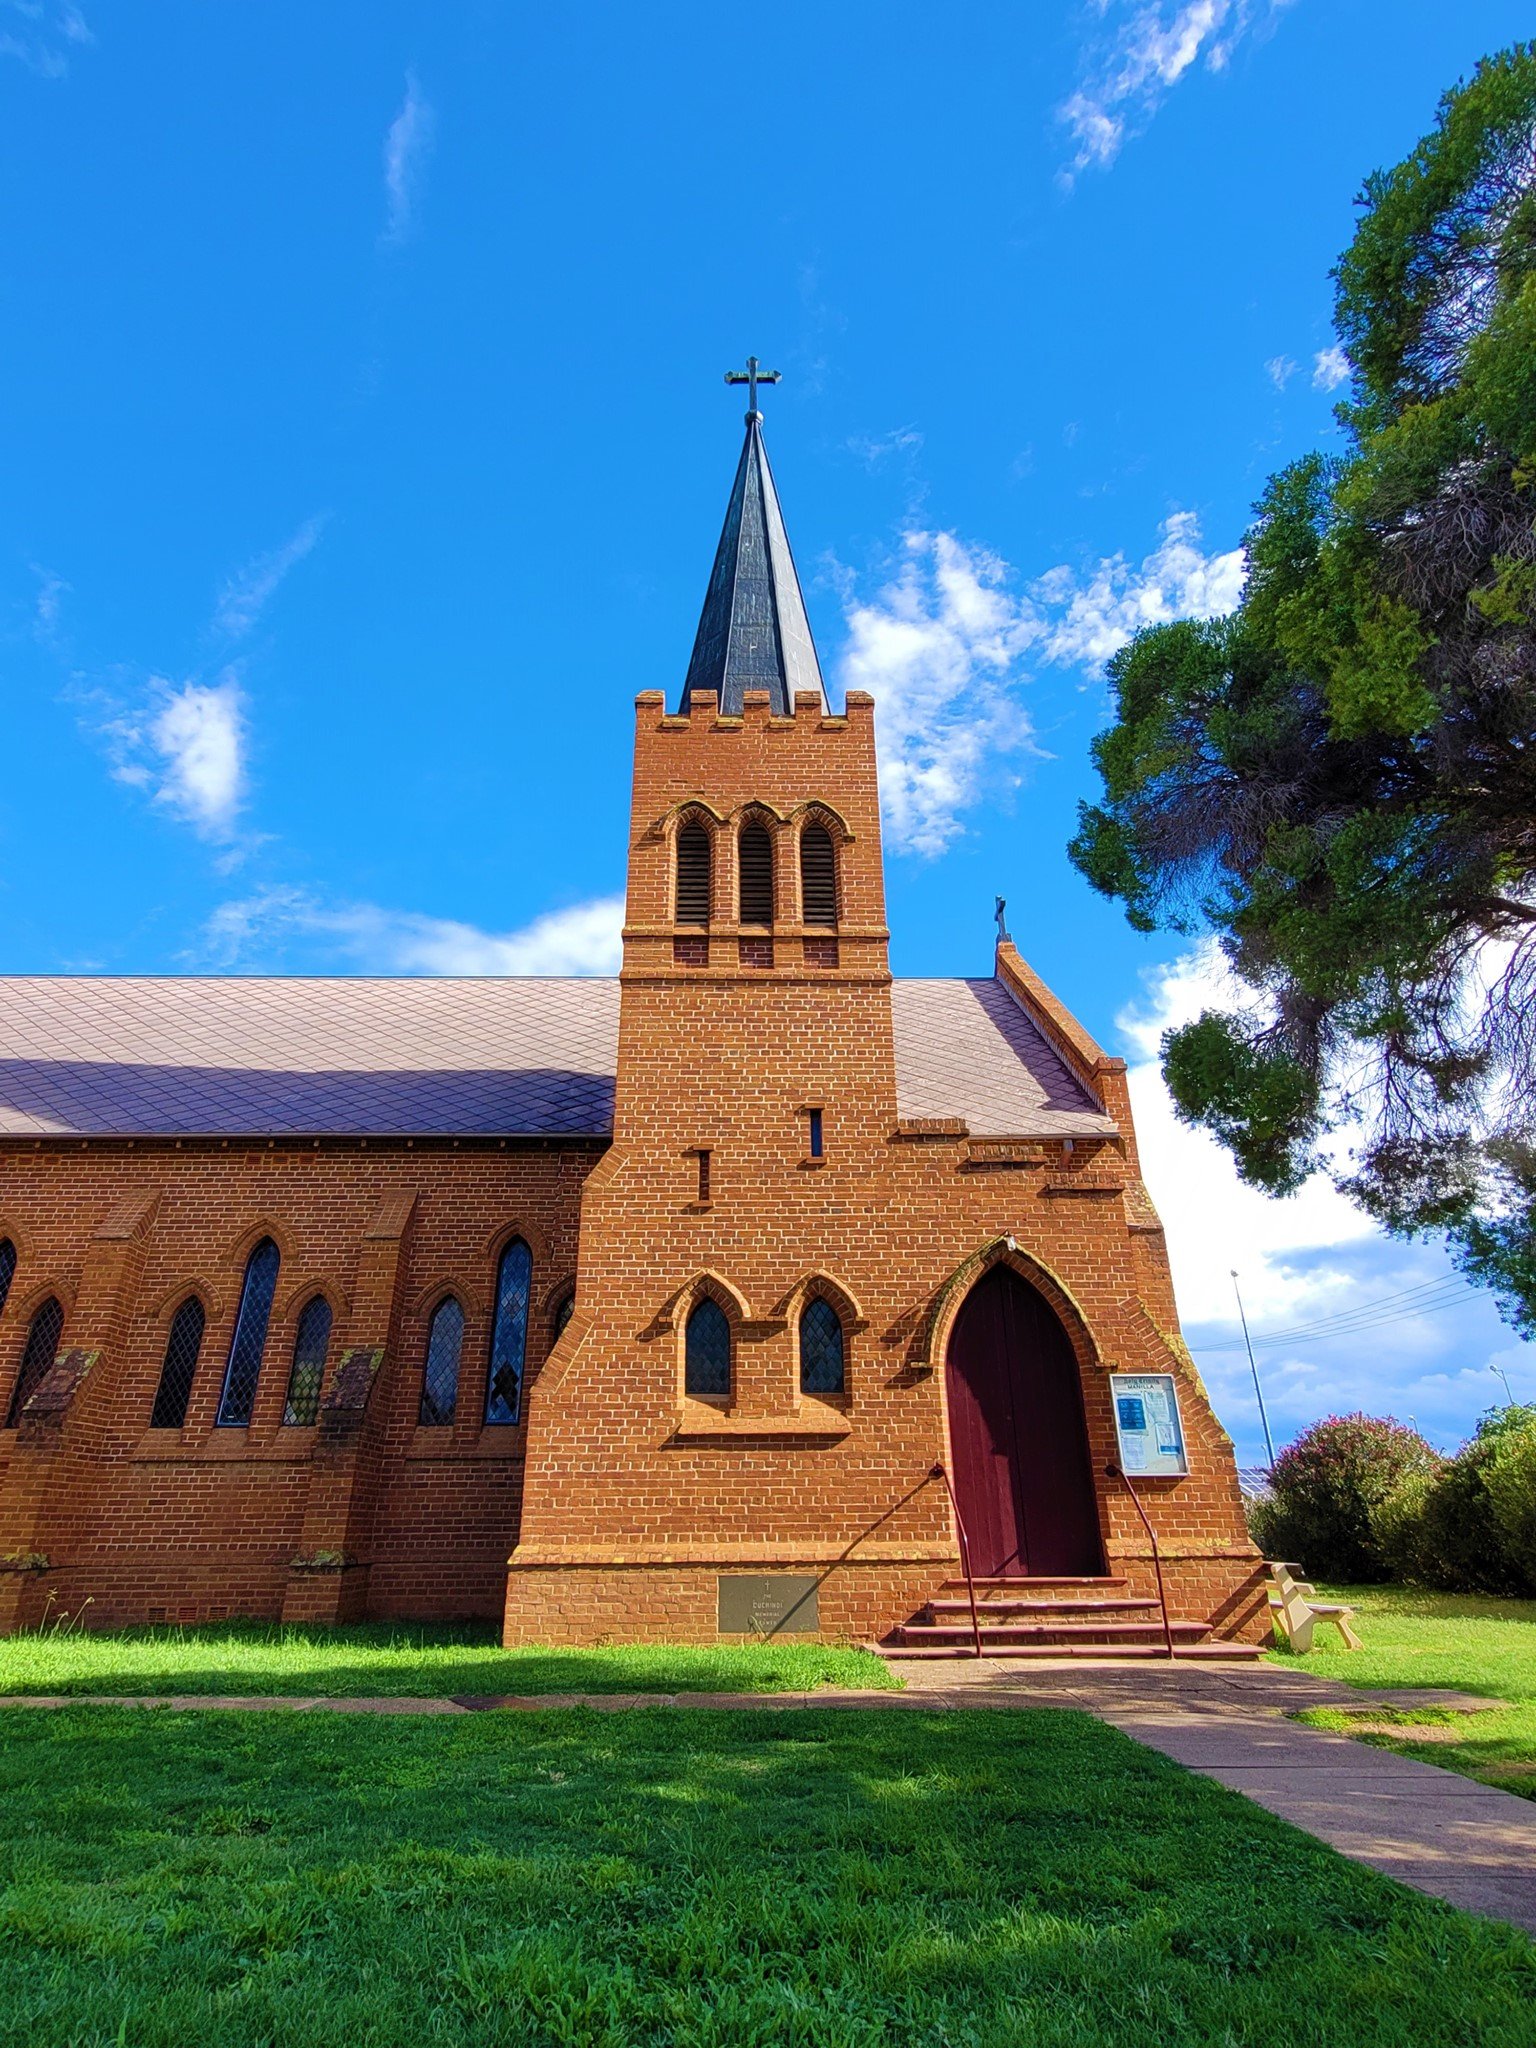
x=939, y=1472
x=1113, y=1471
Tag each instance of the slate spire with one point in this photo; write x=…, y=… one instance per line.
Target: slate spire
x=753, y=632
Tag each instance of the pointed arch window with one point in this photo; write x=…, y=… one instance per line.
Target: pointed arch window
x=440, y=1374
x=694, y=874
x=818, y=876
x=565, y=1308
x=509, y=1335
x=707, y=1350
x=305, y=1376
x=7, y=1270
x=183, y=1347
x=822, y=1369
x=250, y=1339
x=37, y=1360
x=754, y=859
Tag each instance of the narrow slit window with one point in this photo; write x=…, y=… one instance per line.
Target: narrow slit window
x=509, y=1335
x=7, y=1270
x=308, y=1370
x=565, y=1308
x=250, y=1339
x=707, y=1350
x=37, y=1360
x=693, y=875
x=705, y=1175
x=818, y=876
x=821, y=1349
x=755, y=859
x=183, y=1348
x=440, y=1375
x=813, y=1137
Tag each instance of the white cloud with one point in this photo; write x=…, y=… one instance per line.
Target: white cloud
x=43, y=45
x=245, y=594
x=1092, y=617
x=939, y=647
x=581, y=939
x=875, y=449
x=406, y=147
x=1281, y=369
x=1130, y=71
x=1330, y=368
x=945, y=645
x=195, y=738
x=48, y=602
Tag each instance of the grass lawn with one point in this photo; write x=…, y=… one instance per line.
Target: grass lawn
x=694, y=1879
x=1466, y=1640
x=392, y=1658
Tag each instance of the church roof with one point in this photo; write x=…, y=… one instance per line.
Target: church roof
x=753, y=632
x=524, y=1056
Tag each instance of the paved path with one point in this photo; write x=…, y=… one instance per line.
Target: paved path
x=1441, y=1833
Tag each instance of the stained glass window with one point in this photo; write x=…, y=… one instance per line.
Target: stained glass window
x=250, y=1340
x=7, y=1269
x=821, y=1348
x=509, y=1334
x=308, y=1370
x=182, y=1349
x=440, y=1375
x=37, y=1360
x=707, y=1350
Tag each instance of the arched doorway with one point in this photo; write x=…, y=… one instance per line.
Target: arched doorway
x=1018, y=1441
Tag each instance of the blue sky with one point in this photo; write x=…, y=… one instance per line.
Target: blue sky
x=367, y=448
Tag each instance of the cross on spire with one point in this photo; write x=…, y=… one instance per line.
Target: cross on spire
x=752, y=376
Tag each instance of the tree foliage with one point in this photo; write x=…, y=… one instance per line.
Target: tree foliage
x=1340, y=778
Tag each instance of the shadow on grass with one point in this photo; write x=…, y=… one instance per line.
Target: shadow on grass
x=388, y=1659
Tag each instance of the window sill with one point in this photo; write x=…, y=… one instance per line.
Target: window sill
x=701, y=1428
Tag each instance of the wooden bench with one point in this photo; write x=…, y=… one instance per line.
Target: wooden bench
x=1297, y=1612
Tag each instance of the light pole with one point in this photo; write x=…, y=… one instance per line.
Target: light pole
x=1269, y=1442
x=1509, y=1399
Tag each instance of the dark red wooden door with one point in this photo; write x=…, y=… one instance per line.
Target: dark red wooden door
x=1020, y=1448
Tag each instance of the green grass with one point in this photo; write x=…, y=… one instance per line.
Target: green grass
x=754, y=1879
x=1472, y=1642
x=378, y=1659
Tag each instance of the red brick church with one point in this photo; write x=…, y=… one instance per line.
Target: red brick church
x=751, y=1291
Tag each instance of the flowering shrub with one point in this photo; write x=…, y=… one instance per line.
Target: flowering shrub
x=1330, y=1490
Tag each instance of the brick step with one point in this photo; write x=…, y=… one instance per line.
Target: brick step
x=998, y=1631
x=1012, y=1585
x=1216, y=1652
x=993, y=1603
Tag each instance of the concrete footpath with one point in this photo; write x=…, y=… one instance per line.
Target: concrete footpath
x=1467, y=1843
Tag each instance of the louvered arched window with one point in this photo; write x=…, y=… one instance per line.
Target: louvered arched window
x=37, y=1360
x=693, y=875
x=818, y=876
x=509, y=1334
x=7, y=1269
x=182, y=1350
x=754, y=859
x=250, y=1339
x=310, y=1344
x=821, y=1348
x=707, y=1349
x=440, y=1375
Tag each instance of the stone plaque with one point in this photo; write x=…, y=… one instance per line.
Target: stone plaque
x=784, y=1605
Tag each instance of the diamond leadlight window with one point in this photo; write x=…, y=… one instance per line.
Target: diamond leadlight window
x=707, y=1350
x=821, y=1349
x=509, y=1335
x=440, y=1376
x=182, y=1350
x=7, y=1269
x=250, y=1341
x=37, y=1360
x=308, y=1369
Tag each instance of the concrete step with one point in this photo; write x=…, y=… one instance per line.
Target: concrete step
x=1033, y=1631
x=1017, y=1584
x=1215, y=1652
